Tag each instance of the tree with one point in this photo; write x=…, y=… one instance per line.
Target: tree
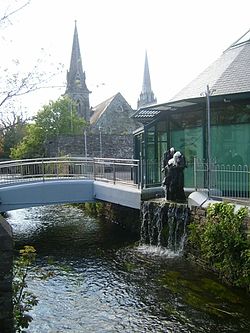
x=16, y=82
x=55, y=119
x=11, y=83
x=12, y=8
x=11, y=133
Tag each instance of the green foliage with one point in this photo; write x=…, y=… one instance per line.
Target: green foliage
x=11, y=136
x=23, y=300
x=31, y=145
x=56, y=118
x=222, y=242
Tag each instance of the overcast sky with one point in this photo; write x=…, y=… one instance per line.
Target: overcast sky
x=182, y=37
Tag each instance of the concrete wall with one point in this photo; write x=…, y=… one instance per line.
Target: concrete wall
x=121, y=195
x=6, y=262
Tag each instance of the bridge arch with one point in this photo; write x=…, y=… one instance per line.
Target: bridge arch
x=31, y=194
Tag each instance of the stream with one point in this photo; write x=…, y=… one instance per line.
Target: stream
x=106, y=279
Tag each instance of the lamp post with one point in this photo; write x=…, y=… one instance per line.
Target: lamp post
x=71, y=116
x=85, y=144
x=207, y=94
x=208, y=141
x=100, y=141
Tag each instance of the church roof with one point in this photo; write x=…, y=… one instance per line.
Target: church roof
x=230, y=74
x=146, y=96
x=113, y=116
x=76, y=59
x=146, y=85
x=101, y=108
x=76, y=76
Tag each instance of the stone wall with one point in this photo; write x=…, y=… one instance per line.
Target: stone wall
x=116, y=146
x=198, y=215
x=6, y=262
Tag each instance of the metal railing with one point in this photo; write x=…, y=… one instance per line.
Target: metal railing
x=225, y=180
x=231, y=181
x=123, y=171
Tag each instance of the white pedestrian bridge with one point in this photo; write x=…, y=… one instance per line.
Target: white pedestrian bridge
x=48, y=181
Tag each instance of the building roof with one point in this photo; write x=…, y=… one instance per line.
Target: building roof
x=113, y=116
x=228, y=75
x=100, y=109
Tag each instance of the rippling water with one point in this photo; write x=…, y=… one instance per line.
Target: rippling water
x=103, y=281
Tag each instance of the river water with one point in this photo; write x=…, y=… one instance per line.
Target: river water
x=102, y=280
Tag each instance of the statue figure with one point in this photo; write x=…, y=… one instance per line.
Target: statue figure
x=174, y=178
x=168, y=155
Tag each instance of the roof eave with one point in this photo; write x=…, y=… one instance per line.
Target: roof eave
x=147, y=114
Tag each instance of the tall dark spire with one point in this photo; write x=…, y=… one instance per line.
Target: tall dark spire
x=76, y=85
x=146, y=96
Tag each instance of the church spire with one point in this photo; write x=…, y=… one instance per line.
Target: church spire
x=146, y=96
x=76, y=85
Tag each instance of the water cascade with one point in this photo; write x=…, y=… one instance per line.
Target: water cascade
x=164, y=225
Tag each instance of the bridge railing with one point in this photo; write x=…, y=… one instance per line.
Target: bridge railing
x=124, y=171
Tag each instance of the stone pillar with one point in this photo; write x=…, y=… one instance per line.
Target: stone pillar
x=6, y=262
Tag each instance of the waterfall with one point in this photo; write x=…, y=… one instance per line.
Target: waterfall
x=164, y=226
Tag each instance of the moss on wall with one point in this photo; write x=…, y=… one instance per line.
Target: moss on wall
x=218, y=239
x=126, y=217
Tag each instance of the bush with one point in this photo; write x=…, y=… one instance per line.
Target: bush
x=222, y=242
x=23, y=300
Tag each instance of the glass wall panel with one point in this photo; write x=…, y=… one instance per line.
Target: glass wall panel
x=151, y=170
x=139, y=153
x=230, y=144
x=230, y=135
x=230, y=148
x=187, y=136
x=162, y=146
x=227, y=114
x=162, y=139
x=156, y=146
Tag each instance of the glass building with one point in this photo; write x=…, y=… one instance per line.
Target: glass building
x=208, y=121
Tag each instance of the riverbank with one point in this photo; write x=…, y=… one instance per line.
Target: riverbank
x=105, y=280
x=217, y=237
x=160, y=229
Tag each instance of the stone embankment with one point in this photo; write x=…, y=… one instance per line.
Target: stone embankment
x=6, y=262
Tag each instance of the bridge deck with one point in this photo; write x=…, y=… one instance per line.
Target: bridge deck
x=37, y=193
x=33, y=182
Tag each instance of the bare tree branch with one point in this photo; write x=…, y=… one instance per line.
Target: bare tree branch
x=9, y=12
x=20, y=83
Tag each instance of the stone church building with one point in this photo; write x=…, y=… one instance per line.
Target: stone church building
x=110, y=126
